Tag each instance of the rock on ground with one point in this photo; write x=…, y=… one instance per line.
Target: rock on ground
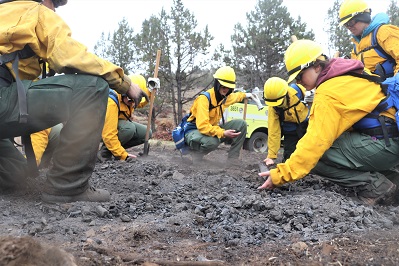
x=165, y=210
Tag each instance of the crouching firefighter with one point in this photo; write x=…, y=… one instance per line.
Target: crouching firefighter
x=120, y=132
x=31, y=32
x=287, y=116
x=351, y=141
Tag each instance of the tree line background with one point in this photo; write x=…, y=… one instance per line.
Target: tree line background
x=256, y=50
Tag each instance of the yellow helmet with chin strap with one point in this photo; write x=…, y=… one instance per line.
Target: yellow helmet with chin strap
x=351, y=8
x=300, y=55
x=274, y=91
x=226, y=77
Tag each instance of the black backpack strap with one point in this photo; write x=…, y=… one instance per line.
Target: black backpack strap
x=26, y=52
x=30, y=156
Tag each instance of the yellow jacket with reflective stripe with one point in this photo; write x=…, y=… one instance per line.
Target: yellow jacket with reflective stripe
x=388, y=39
x=208, y=121
x=338, y=103
x=274, y=126
x=28, y=22
x=110, y=129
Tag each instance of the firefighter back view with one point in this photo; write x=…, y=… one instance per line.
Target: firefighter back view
x=31, y=32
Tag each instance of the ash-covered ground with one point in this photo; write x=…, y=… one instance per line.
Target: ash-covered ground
x=165, y=210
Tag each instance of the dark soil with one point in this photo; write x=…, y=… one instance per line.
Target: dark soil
x=167, y=211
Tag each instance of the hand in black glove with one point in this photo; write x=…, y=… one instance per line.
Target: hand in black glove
x=136, y=94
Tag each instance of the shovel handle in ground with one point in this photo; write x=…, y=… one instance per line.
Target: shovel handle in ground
x=153, y=93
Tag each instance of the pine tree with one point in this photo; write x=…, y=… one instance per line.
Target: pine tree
x=339, y=39
x=118, y=47
x=258, y=48
x=393, y=12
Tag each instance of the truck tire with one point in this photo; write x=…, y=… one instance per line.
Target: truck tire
x=257, y=142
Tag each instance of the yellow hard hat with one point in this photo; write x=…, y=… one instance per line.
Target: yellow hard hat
x=299, y=55
x=274, y=91
x=351, y=8
x=139, y=80
x=226, y=77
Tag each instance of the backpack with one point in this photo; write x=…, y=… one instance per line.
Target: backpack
x=184, y=127
x=385, y=69
x=390, y=87
x=290, y=126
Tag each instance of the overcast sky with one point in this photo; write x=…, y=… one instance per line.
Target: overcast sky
x=89, y=18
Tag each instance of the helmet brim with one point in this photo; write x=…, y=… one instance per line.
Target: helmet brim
x=226, y=84
x=293, y=76
x=276, y=103
x=342, y=23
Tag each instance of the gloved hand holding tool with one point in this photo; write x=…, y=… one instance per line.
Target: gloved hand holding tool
x=136, y=94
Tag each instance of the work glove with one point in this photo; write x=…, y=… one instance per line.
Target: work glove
x=255, y=98
x=309, y=97
x=136, y=94
x=153, y=83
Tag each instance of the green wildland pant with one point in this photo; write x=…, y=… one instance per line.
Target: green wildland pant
x=361, y=161
x=78, y=100
x=131, y=134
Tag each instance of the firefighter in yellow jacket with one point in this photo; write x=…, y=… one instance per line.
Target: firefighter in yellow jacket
x=120, y=132
x=287, y=116
x=341, y=144
x=31, y=32
x=205, y=131
x=376, y=43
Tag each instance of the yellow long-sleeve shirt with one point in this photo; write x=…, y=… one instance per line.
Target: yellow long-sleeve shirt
x=207, y=121
x=31, y=23
x=110, y=129
x=334, y=111
x=274, y=125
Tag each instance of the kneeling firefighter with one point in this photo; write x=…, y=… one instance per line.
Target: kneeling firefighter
x=120, y=132
x=30, y=33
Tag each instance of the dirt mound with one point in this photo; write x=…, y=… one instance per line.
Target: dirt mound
x=166, y=210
